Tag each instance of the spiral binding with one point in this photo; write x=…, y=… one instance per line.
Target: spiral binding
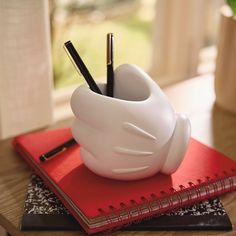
x=195, y=192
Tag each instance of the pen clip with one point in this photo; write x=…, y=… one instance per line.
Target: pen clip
x=109, y=48
x=68, y=54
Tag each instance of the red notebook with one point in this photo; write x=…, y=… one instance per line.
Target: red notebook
x=99, y=203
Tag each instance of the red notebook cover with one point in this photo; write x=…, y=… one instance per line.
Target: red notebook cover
x=99, y=203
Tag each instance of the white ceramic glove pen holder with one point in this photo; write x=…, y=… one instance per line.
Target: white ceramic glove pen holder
x=134, y=134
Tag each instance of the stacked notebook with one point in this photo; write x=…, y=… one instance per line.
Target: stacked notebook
x=99, y=204
x=44, y=211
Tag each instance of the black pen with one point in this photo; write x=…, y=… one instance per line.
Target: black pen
x=57, y=150
x=110, y=72
x=79, y=65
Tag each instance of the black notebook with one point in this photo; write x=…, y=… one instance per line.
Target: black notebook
x=44, y=211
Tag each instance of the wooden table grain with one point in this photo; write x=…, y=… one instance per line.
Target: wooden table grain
x=210, y=124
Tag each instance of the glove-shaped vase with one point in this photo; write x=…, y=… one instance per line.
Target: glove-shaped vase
x=134, y=134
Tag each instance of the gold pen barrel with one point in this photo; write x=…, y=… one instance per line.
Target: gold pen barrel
x=68, y=54
x=109, y=48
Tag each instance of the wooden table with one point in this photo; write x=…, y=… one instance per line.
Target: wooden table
x=210, y=124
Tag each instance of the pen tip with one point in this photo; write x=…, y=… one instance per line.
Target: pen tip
x=68, y=42
x=42, y=158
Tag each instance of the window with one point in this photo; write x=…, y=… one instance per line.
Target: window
x=86, y=24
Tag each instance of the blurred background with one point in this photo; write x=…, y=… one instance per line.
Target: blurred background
x=86, y=24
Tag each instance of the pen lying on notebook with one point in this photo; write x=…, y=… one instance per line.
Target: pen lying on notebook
x=57, y=150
